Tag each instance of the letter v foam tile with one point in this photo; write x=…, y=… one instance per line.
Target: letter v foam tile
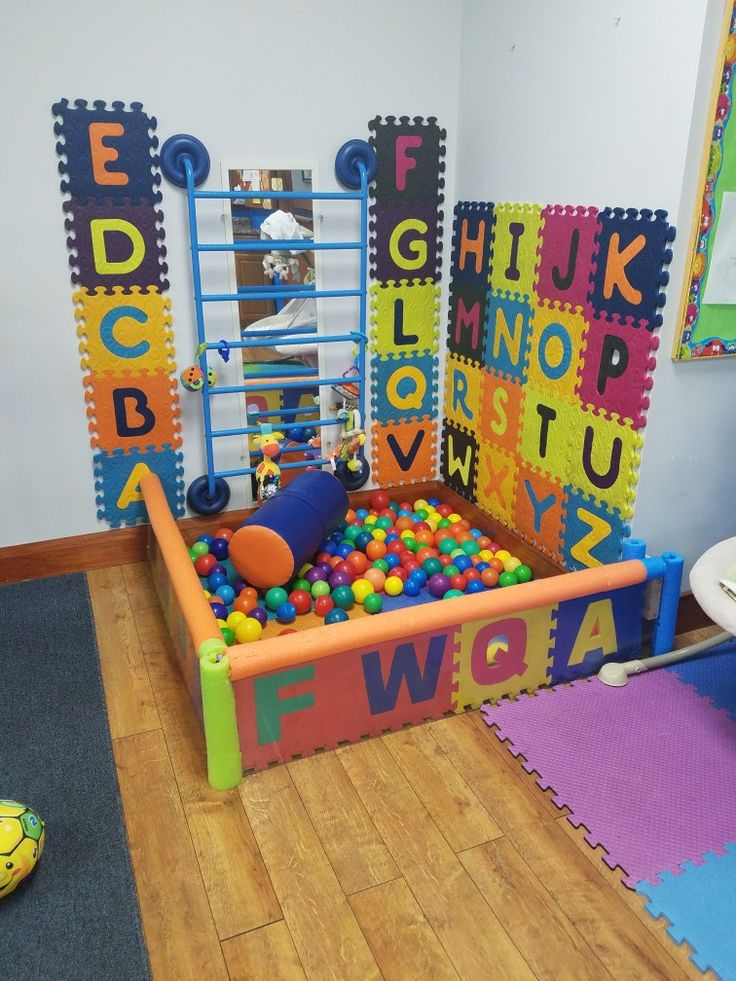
x=700, y=904
x=647, y=769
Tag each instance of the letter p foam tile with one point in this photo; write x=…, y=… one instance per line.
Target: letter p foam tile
x=648, y=769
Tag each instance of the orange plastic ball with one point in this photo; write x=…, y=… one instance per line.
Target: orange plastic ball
x=496, y=564
x=425, y=536
x=426, y=552
x=376, y=578
x=489, y=578
x=244, y=603
x=358, y=561
x=375, y=550
x=484, y=542
x=403, y=524
x=225, y=533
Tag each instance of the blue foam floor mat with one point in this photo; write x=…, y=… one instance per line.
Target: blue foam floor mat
x=700, y=905
x=713, y=676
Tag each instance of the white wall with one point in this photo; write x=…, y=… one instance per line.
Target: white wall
x=253, y=81
x=582, y=102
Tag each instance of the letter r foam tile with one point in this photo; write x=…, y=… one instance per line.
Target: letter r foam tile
x=700, y=903
x=647, y=769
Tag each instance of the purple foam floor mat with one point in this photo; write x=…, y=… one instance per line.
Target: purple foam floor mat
x=648, y=769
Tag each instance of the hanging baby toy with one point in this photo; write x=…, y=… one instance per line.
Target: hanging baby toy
x=347, y=458
x=268, y=473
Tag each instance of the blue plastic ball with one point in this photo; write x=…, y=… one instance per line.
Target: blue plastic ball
x=207, y=539
x=309, y=433
x=336, y=616
x=286, y=613
x=336, y=537
x=219, y=548
x=345, y=549
x=412, y=587
x=361, y=514
x=419, y=575
x=215, y=580
x=392, y=560
x=226, y=593
x=482, y=566
x=361, y=542
x=476, y=532
x=462, y=562
x=434, y=501
x=295, y=434
x=393, y=537
x=474, y=586
x=220, y=610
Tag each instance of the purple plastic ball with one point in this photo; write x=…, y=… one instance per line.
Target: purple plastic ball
x=220, y=610
x=219, y=568
x=438, y=584
x=259, y=614
x=340, y=579
x=315, y=573
x=239, y=585
x=326, y=568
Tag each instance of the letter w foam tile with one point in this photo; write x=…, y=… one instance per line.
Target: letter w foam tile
x=700, y=903
x=647, y=769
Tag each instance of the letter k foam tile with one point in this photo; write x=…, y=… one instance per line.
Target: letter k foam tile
x=647, y=769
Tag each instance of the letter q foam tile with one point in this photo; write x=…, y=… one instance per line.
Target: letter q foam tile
x=648, y=769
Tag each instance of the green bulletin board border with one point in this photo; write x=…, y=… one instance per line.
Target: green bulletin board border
x=709, y=330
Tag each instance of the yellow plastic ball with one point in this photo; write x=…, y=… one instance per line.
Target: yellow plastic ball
x=432, y=520
x=235, y=618
x=371, y=519
x=407, y=533
x=455, y=552
x=221, y=623
x=502, y=554
x=379, y=534
x=452, y=518
x=393, y=586
x=362, y=588
x=421, y=505
x=304, y=570
x=248, y=630
x=511, y=564
x=485, y=555
x=207, y=594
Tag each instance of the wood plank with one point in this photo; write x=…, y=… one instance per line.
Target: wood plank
x=131, y=707
x=240, y=892
x=451, y=804
x=584, y=897
x=139, y=583
x=177, y=922
x=680, y=953
x=354, y=847
x=322, y=925
x=402, y=941
x=267, y=954
x=464, y=923
x=551, y=945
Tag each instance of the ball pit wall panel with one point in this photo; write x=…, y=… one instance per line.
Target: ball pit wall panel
x=294, y=695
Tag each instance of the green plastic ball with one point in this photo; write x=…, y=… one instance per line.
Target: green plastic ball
x=343, y=597
x=275, y=597
x=304, y=584
x=373, y=603
x=319, y=588
x=431, y=566
x=383, y=565
x=453, y=592
x=451, y=570
x=447, y=545
x=508, y=579
x=199, y=548
x=523, y=573
x=352, y=532
x=444, y=524
x=470, y=548
x=384, y=523
x=228, y=636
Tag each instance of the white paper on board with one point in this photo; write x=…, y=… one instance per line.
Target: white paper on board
x=721, y=285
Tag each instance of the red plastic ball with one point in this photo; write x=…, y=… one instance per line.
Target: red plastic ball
x=323, y=605
x=459, y=581
x=301, y=599
x=204, y=563
x=397, y=547
x=225, y=533
x=379, y=500
x=358, y=561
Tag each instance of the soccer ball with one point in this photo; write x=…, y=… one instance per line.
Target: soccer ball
x=21, y=844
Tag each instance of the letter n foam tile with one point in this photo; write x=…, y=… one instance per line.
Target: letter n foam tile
x=459, y=459
x=567, y=254
x=502, y=656
x=508, y=327
x=403, y=453
x=617, y=373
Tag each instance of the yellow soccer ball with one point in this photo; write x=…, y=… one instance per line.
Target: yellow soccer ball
x=21, y=844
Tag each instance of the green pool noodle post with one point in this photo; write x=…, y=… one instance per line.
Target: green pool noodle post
x=224, y=764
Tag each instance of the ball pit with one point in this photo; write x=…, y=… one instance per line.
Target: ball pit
x=379, y=558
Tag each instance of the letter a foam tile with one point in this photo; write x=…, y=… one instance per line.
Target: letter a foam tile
x=700, y=904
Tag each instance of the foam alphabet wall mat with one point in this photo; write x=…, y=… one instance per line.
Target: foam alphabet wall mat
x=406, y=247
x=551, y=347
x=109, y=169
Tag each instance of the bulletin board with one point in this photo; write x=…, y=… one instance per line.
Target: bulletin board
x=707, y=320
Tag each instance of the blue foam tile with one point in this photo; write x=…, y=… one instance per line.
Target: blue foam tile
x=713, y=676
x=700, y=904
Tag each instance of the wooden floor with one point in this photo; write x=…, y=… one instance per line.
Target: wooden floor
x=428, y=853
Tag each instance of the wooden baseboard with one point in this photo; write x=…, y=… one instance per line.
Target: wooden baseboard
x=80, y=553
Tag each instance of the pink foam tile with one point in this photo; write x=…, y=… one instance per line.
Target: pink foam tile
x=649, y=769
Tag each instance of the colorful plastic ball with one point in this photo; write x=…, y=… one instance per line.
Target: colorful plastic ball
x=320, y=588
x=204, y=564
x=377, y=578
x=373, y=603
x=489, y=577
x=431, y=566
x=471, y=547
x=244, y=602
x=219, y=609
x=323, y=605
x=502, y=554
x=234, y=619
x=507, y=579
x=475, y=586
x=412, y=587
x=275, y=597
x=420, y=575
x=512, y=564
x=462, y=562
x=239, y=585
x=338, y=579
x=452, y=593
x=226, y=593
x=302, y=583
x=248, y=630
x=343, y=597
x=219, y=548
x=315, y=574
x=295, y=434
x=362, y=588
x=363, y=540
x=228, y=635
x=361, y=514
x=523, y=573
x=337, y=615
x=458, y=581
x=257, y=613
x=438, y=584
x=199, y=548
x=301, y=600
x=393, y=586
x=375, y=550
x=22, y=838
x=379, y=500
x=382, y=565
x=286, y=613
x=226, y=533
x=451, y=570
x=345, y=549
x=392, y=560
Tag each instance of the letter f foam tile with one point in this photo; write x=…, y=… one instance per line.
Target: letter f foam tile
x=647, y=769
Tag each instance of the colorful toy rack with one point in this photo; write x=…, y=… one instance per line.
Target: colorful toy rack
x=292, y=696
x=185, y=163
